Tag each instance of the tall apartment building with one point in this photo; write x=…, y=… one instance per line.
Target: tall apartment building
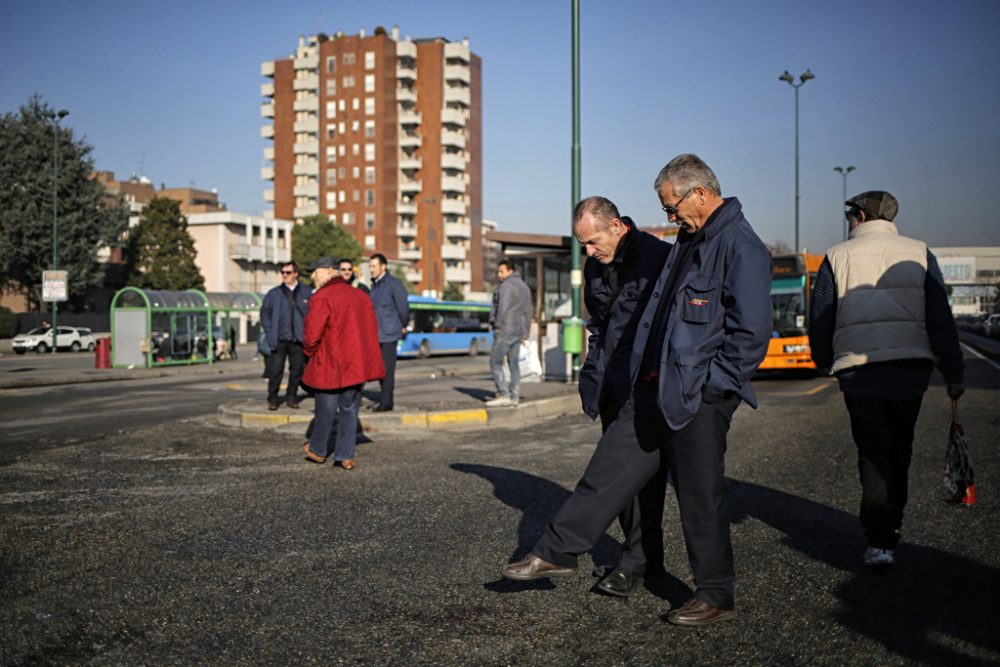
x=383, y=135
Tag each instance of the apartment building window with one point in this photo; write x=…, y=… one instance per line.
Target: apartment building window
x=369, y=174
x=369, y=106
x=331, y=154
x=331, y=176
x=255, y=235
x=281, y=239
x=369, y=197
x=369, y=128
x=349, y=218
x=369, y=60
x=356, y=196
x=331, y=64
x=331, y=108
x=355, y=149
x=343, y=127
x=369, y=240
x=369, y=83
x=355, y=172
x=348, y=58
x=333, y=218
x=347, y=81
x=342, y=150
x=341, y=104
x=341, y=196
x=341, y=172
x=355, y=104
x=331, y=87
x=369, y=152
x=331, y=200
x=355, y=125
x=369, y=221
x=331, y=131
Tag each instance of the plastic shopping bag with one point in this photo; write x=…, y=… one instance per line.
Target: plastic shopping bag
x=528, y=359
x=958, y=476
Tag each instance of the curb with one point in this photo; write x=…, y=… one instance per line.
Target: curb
x=233, y=416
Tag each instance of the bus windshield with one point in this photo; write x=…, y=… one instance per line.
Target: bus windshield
x=788, y=306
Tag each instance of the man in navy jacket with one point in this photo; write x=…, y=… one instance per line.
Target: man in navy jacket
x=282, y=315
x=392, y=310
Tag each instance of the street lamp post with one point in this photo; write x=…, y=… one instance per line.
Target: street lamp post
x=790, y=80
x=56, y=117
x=844, y=171
x=432, y=279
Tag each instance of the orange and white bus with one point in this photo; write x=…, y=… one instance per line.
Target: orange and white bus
x=791, y=287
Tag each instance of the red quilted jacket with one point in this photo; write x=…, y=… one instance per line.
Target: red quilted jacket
x=341, y=338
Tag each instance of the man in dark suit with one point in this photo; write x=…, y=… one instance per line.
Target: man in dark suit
x=622, y=266
x=282, y=315
x=392, y=309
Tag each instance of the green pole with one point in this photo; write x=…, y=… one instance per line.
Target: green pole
x=576, y=279
x=55, y=217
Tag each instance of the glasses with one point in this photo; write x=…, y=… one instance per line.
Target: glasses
x=288, y=273
x=672, y=210
x=346, y=269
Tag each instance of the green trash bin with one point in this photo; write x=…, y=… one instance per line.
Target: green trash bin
x=572, y=335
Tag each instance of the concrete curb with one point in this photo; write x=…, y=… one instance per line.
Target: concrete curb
x=247, y=415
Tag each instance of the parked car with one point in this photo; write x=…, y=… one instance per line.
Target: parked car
x=67, y=338
x=991, y=326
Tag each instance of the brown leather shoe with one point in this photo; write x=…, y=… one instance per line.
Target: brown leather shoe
x=347, y=464
x=311, y=456
x=532, y=567
x=696, y=612
x=272, y=405
x=292, y=403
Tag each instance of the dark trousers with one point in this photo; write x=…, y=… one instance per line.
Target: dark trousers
x=637, y=446
x=883, y=432
x=276, y=370
x=335, y=422
x=388, y=383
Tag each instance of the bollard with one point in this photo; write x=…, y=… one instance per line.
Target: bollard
x=102, y=357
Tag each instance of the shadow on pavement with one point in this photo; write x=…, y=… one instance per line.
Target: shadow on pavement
x=919, y=609
x=476, y=392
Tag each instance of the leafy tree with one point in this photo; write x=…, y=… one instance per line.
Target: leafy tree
x=399, y=273
x=453, y=292
x=161, y=251
x=317, y=237
x=88, y=219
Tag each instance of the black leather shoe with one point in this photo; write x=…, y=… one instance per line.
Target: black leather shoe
x=620, y=583
x=532, y=567
x=382, y=408
x=695, y=612
x=272, y=405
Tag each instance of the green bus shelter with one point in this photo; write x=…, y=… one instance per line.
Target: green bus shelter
x=163, y=328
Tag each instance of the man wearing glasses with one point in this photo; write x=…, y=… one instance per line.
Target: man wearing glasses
x=346, y=269
x=283, y=315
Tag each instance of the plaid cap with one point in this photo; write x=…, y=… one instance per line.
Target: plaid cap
x=877, y=204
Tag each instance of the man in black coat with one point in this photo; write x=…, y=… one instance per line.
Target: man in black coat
x=623, y=264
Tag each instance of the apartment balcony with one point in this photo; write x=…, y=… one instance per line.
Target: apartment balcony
x=410, y=140
x=307, y=62
x=459, y=50
x=310, y=126
x=453, y=117
x=457, y=94
x=406, y=231
x=414, y=275
x=267, y=69
x=308, y=82
x=409, y=186
x=267, y=174
x=406, y=50
x=453, y=161
x=452, y=184
x=269, y=195
x=409, y=163
x=267, y=110
x=406, y=207
x=267, y=131
x=306, y=190
x=453, y=206
x=310, y=168
x=282, y=255
x=306, y=211
x=457, y=73
x=310, y=147
x=454, y=274
x=452, y=251
x=267, y=90
x=411, y=253
x=457, y=230
x=309, y=104
x=405, y=73
x=406, y=95
x=455, y=139
x=409, y=118
x=269, y=153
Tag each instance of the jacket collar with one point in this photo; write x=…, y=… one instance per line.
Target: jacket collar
x=876, y=226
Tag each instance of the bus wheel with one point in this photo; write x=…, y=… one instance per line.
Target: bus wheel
x=474, y=348
x=425, y=349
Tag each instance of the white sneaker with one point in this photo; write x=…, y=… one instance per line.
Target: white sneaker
x=502, y=401
x=875, y=557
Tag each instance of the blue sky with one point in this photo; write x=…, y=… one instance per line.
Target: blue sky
x=906, y=91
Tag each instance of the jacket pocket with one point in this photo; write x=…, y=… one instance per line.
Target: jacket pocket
x=701, y=300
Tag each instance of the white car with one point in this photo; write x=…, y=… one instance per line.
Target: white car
x=68, y=338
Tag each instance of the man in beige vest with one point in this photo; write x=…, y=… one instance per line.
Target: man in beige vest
x=880, y=321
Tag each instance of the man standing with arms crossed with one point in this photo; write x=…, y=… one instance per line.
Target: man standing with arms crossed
x=700, y=337
x=282, y=315
x=511, y=320
x=392, y=310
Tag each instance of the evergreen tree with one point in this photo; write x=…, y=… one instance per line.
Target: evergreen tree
x=399, y=273
x=453, y=292
x=88, y=219
x=161, y=251
x=317, y=237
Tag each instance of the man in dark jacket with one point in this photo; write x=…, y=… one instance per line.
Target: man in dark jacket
x=392, y=309
x=282, y=316
x=511, y=321
x=700, y=337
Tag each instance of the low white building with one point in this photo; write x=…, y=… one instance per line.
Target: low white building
x=239, y=252
x=973, y=274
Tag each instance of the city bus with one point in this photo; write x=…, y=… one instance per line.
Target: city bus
x=791, y=287
x=446, y=327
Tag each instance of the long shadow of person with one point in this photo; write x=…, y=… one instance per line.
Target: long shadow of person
x=925, y=608
x=538, y=500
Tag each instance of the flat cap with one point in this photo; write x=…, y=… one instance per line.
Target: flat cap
x=322, y=263
x=876, y=204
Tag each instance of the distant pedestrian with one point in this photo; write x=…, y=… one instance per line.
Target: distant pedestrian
x=880, y=322
x=282, y=316
x=347, y=272
x=342, y=343
x=392, y=309
x=511, y=321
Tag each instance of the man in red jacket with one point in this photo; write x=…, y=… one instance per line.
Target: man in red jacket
x=341, y=341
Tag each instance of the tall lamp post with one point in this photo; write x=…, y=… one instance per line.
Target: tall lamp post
x=790, y=80
x=56, y=117
x=576, y=275
x=432, y=279
x=844, y=171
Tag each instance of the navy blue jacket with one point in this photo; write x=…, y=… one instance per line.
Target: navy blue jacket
x=612, y=326
x=392, y=309
x=719, y=325
x=281, y=321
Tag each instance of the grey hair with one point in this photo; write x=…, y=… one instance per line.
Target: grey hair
x=688, y=171
x=602, y=208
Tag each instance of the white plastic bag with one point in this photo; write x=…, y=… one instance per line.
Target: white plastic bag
x=528, y=359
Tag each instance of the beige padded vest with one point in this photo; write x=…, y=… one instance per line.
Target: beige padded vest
x=880, y=297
